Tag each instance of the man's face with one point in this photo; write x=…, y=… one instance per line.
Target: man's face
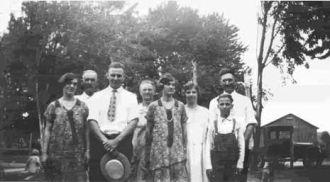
x=89, y=82
x=147, y=91
x=225, y=105
x=191, y=96
x=70, y=87
x=227, y=82
x=116, y=77
x=169, y=89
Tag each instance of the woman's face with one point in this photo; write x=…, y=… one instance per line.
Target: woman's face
x=70, y=87
x=147, y=91
x=191, y=96
x=169, y=89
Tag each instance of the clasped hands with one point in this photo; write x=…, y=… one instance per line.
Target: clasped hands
x=110, y=144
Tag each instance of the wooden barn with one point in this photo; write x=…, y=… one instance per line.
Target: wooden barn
x=303, y=131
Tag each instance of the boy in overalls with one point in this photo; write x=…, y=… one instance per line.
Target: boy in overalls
x=225, y=143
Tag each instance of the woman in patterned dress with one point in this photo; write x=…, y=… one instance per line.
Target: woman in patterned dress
x=64, y=150
x=166, y=137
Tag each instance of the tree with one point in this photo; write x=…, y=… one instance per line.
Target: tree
x=305, y=30
x=290, y=32
x=45, y=43
x=52, y=38
x=178, y=37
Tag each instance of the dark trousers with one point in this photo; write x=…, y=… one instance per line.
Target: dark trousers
x=245, y=166
x=97, y=151
x=224, y=172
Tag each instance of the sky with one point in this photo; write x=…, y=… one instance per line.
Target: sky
x=308, y=99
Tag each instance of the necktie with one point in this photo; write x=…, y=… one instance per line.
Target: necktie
x=112, y=106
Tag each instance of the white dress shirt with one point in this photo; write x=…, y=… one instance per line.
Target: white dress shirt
x=225, y=126
x=126, y=109
x=242, y=108
x=83, y=97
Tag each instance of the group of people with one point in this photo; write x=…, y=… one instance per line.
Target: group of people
x=164, y=139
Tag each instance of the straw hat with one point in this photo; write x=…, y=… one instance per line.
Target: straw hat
x=115, y=166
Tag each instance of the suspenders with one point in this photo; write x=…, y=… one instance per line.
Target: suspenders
x=216, y=126
x=225, y=146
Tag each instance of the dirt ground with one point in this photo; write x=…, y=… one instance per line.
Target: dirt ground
x=285, y=174
x=297, y=174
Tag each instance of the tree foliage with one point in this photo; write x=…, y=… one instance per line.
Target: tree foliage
x=52, y=38
x=306, y=28
x=302, y=31
x=177, y=36
x=291, y=32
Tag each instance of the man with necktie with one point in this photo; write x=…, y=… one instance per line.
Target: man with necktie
x=112, y=120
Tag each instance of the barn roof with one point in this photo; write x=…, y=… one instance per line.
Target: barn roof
x=287, y=116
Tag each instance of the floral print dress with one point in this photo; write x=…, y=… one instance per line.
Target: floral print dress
x=67, y=140
x=166, y=151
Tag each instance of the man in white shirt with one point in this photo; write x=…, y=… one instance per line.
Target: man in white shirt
x=113, y=116
x=242, y=108
x=89, y=85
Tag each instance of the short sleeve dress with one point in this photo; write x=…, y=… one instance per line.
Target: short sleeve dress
x=167, y=161
x=67, y=141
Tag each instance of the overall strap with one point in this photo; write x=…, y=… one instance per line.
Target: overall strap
x=234, y=124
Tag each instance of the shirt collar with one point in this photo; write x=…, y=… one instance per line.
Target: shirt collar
x=233, y=93
x=229, y=118
x=118, y=89
x=85, y=95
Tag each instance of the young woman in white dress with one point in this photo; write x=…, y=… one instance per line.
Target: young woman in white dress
x=196, y=130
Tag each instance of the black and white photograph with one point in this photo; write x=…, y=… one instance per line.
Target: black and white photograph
x=164, y=91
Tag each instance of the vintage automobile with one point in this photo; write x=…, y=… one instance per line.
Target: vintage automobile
x=279, y=146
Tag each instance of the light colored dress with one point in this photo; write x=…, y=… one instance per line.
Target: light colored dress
x=196, y=129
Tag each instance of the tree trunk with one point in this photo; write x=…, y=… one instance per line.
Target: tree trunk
x=41, y=125
x=259, y=107
x=261, y=67
x=37, y=94
x=195, y=76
